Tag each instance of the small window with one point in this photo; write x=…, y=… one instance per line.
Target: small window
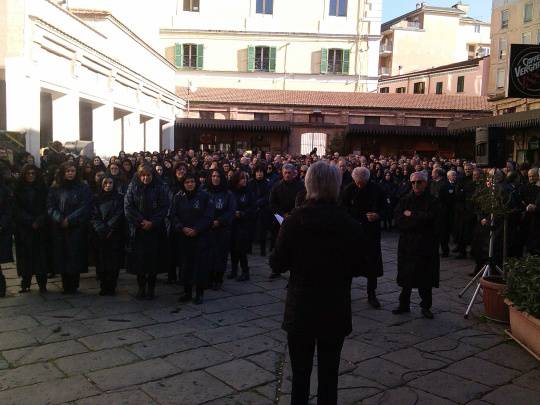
x=191, y=5
x=477, y=28
x=401, y=90
x=372, y=120
x=428, y=122
x=338, y=8
x=472, y=48
x=439, y=88
x=528, y=12
x=189, y=56
x=419, y=88
x=335, y=61
x=460, y=84
x=261, y=59
x=384, y=90
x=503, y=45
x=316, y=118
x=501, y=78
x=505, y=17
x=261, y=117
x=265, y=6
x=526, y=38
x=207, y=115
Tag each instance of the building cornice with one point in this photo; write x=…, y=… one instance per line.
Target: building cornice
x=353, y=37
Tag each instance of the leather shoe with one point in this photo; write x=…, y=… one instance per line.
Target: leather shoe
x=374, y=302
x=401, y=310
x=427, y=313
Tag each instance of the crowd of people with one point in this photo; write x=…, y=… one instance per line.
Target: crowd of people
x=184, y=213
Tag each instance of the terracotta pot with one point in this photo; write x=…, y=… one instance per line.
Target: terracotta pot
x=494, y=306
x=525, y=329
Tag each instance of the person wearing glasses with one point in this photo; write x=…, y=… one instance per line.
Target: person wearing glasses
x=418, y=220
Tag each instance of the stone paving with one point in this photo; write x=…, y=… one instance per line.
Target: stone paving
x=87, y=349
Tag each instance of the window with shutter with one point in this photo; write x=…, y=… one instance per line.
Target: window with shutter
x=251, y=59
x=200, y=56
x=178, y=57
x=460, y=84
x=272, y=59
x=338, y=61
x=346, y=57
x=324, y=61
x=439, y=88
x=189, y=59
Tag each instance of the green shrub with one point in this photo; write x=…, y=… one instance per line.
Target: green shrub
x=523, y=285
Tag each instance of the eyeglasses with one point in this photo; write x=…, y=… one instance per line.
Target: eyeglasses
x=417, y=182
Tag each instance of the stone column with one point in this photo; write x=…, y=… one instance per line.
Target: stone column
x=66, y=118
x=107, y=141
x=133, y=133
x=167, y=135
x=152, y=132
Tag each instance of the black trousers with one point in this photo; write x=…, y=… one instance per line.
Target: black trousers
x=108, y=280
x=26, y=281
x=70, y=282
x=301, y=351
x=236, y=258
x=371, y=285
x=144, y=279
x=425, y=295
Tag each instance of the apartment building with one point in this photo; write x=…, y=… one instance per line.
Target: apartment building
x=518, y=119
x=431, y=36
x=463, y=78
x=320, y=45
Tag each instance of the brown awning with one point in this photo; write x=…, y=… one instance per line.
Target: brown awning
x=242, y=125
x=402, y=130
x=524, y=119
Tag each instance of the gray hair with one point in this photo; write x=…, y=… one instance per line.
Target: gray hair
x=323, y=182
x=423, y=176
x=361, y=173
x=289, y=166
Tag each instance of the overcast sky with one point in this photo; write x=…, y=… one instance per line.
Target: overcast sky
x=480, y=9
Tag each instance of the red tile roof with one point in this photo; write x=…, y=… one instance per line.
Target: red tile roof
x=337, y=99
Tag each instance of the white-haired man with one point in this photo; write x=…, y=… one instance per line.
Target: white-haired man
x=417, y=218
x=364, y=201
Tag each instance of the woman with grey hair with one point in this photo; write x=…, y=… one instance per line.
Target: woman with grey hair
x=318, y=306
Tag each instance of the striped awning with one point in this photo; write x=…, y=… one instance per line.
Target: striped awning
x=402, y=130
x=524, y=119
x=242, y=125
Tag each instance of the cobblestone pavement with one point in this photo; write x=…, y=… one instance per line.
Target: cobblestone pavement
x=87, y=349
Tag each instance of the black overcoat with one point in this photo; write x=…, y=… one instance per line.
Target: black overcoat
x=358, y=202
x=242, y=225
x=107, y=222
x=220, y=236
x=321, y=246
x=71, y=201
x=6, y=225
x=31, y=244
x=194, y=210
x=283, y=196
x=418, y=248
x=464, y=211
x=146, y=250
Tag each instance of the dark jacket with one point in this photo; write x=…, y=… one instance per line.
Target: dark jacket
x=107, y=231
x=418, y=248
x=242, y=225
x=71, y=201
x=464, y=211
x=31, y=208
x=318, y=302
x=358, y=202
x=283, y=196
x=6, y=225
x=146, y=249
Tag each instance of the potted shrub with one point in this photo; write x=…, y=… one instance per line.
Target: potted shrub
x=523, y=300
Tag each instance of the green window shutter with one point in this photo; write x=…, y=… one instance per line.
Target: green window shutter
x=178, y=55
x=346, y=58
x=251, y=59
x=324, y=61
x=272, y=59
x=200, y=56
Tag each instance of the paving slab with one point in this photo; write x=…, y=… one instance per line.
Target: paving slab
x=241, y=374
x=512, y=394
x=164, y=346
x=199, y=358
x=46, y=352
x=27, y=375
x=131, y=397
x=114, y=339
x=482, y=371
x=92, y=361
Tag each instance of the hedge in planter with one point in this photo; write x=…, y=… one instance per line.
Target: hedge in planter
x=523, y=284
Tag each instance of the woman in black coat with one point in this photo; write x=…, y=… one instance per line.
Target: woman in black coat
x=176, y=185
x=68, y=206
x=418, y=220
x=192, y=215
x=220, y=234
x=146, y=205
x=107, y=235
x=318, y=306
x=260, y=189
x=241, y=226
x=31, y=228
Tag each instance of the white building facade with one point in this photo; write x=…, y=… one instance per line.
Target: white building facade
x=70, y=75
